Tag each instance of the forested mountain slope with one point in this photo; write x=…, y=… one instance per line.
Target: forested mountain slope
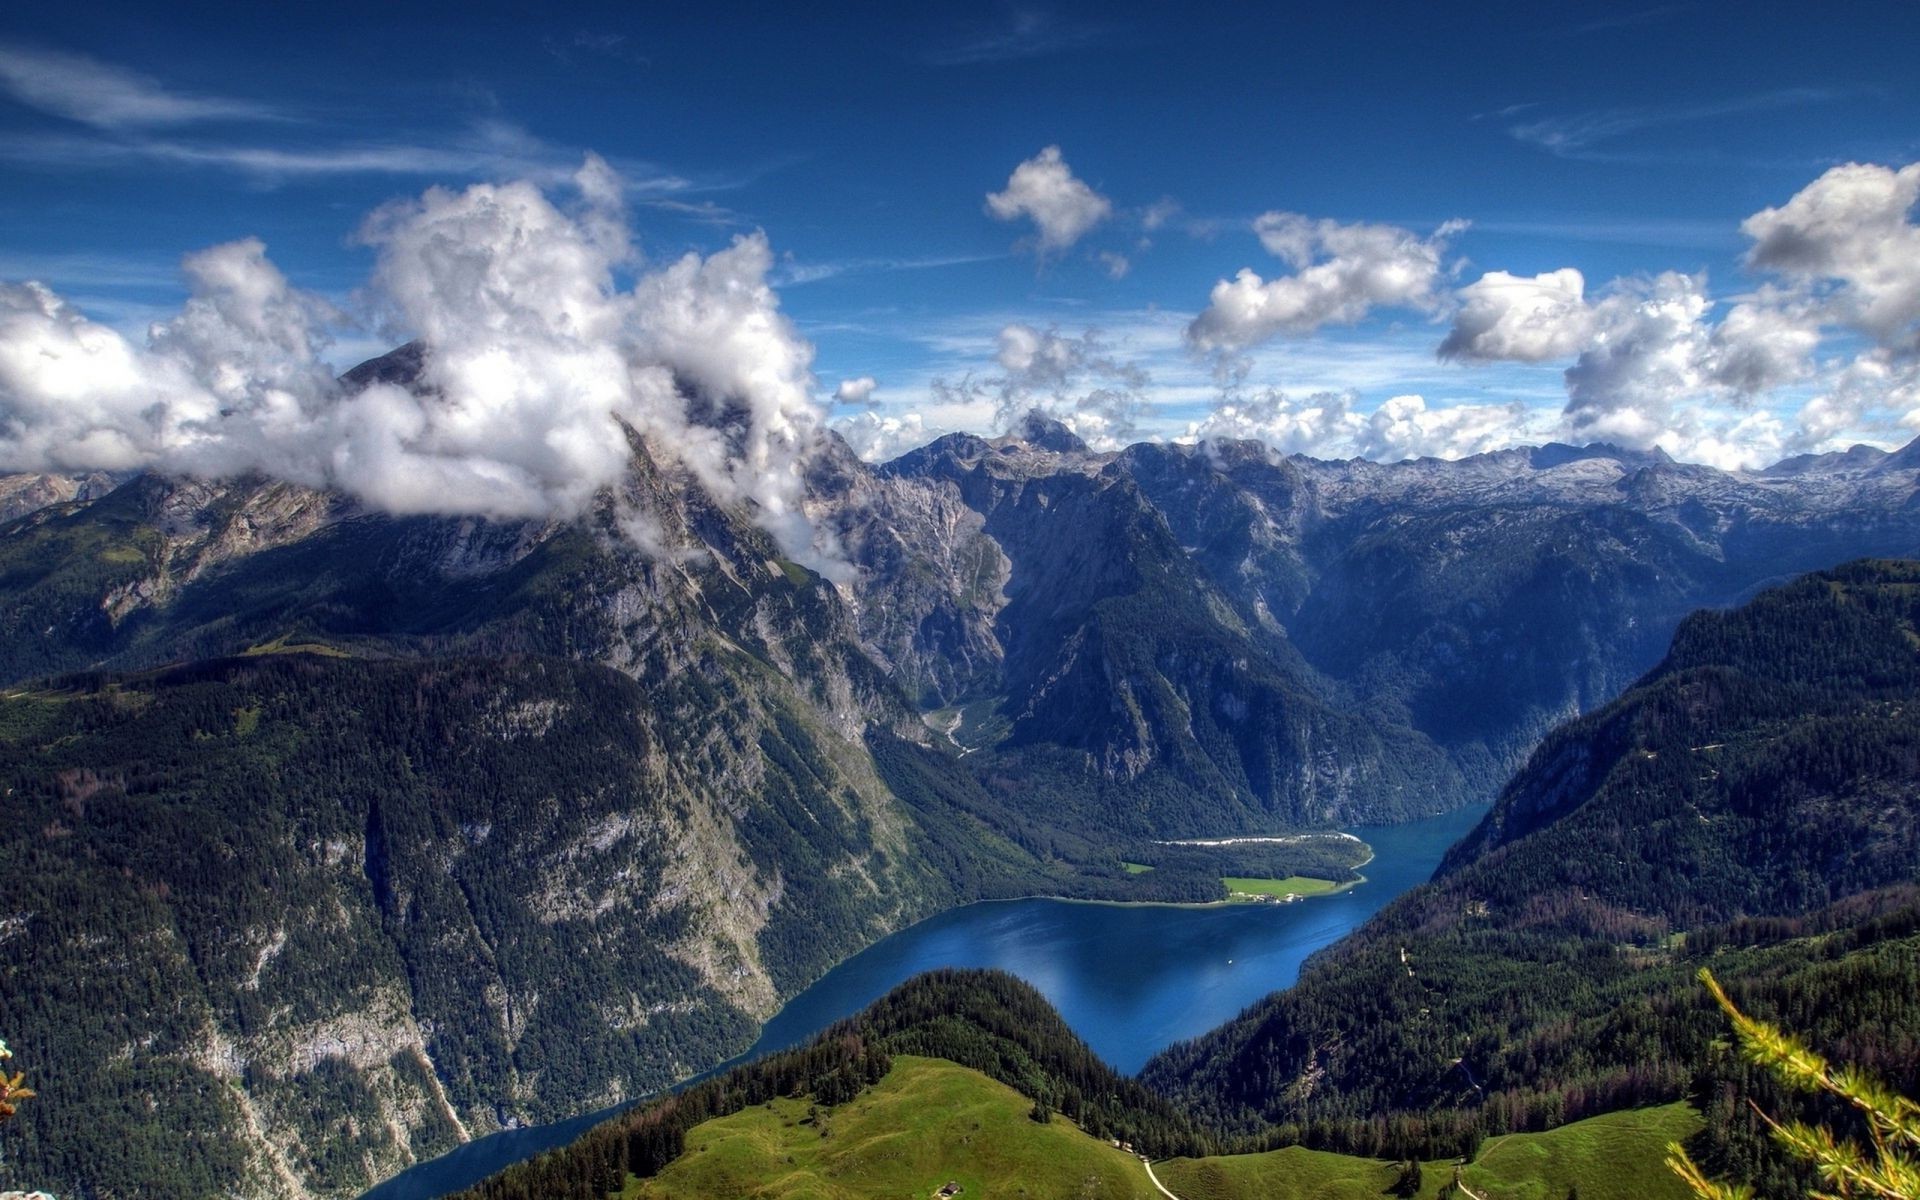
x=1007, y=664
x=1750, y=805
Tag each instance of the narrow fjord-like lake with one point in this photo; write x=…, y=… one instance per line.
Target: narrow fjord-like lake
x=1130, y=979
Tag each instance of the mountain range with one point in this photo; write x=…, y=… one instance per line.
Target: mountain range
x=412, y=828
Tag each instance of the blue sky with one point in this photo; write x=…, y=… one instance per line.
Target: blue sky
x=864, y=142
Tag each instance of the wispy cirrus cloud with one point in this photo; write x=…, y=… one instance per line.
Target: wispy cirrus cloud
x=582, y=44
x=1584, y=135
x=795, y=273
x=135, y=121
x=483, y=150
x=105, y=96
x=1632, y=19
x=1026, y=33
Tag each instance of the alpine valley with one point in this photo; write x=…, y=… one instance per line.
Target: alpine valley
x=412, y=829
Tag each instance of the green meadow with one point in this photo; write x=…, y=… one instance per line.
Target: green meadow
x=931, y=1123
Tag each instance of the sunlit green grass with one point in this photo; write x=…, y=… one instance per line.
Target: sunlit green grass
x=926, y=1124
x=1293, y=885
x=1619, y=1156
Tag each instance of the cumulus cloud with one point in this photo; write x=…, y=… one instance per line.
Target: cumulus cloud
x=1044, y=190
x=1319, y=424
x=1877, y=382
x=534, y=364
x=1341, y=273
x=1658, y=372
x=1851, y=230
x=856, y=391
x=1520, y=319
x=1331, y=425
x=1074, y=379
x=1764, y=343
x=1404, y=427
x=878, y=437
x=1648, y=351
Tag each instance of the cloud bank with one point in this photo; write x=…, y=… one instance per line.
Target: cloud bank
x=1657, y=361
x=533, y=361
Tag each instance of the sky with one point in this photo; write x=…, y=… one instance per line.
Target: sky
x=1354, y=229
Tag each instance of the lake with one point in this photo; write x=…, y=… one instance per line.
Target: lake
x=1131, y=979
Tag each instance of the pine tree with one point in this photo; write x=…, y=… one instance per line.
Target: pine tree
x=1887, y=1168
x=11, y=1091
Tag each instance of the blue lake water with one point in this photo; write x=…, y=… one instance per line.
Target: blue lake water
x=1130, y=979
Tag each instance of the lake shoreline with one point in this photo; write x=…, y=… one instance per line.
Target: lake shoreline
x=1195, y=965
x=1340, y=889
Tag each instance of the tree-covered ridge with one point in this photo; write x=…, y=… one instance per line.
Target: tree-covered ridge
x=985, y=1020
x=1751, y=805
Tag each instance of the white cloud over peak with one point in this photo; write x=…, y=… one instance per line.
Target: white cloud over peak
x=1647, y=352
x=1074, y=379
x=1044, y=190
x=1331, y=425
x=878, y=437
x=1341, y=274
x=533, y=361
x=1404, y=427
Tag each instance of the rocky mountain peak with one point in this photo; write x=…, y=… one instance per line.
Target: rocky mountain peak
x=1042, y=432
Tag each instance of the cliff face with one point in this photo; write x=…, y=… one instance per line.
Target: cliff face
x=461, y=825
x=334, y=914
x=447, y=824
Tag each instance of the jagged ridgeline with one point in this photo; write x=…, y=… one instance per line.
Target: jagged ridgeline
x=983, y=1020
x=1753, y=804
x=566, y=790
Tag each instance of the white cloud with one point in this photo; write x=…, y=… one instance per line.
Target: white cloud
x=1318, y=425
x=1505, y=317
x=1852, y=229
x=1028, y=33
x=1341, y=274
x=1159, y=213
x=108, y=97
x=1876, y=396
x=1654, y=368
x=1043, y=189
x=1764, y=343
x=1648, y=351
x=878, y=437
x=1073, y=379
x=1117, y=265
x=1581, y=135
x=1330, y=425
x=534, y=360
x=1404, y=427
x=856, y=391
